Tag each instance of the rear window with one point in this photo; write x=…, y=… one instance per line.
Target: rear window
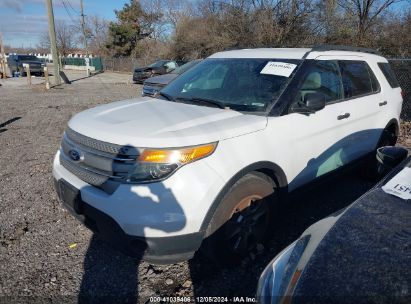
x=357, y=79
x=389, y=74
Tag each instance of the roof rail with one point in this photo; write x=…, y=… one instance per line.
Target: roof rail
x=331, y=47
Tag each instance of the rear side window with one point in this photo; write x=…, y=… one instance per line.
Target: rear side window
x=357, y=79
x=389, y=74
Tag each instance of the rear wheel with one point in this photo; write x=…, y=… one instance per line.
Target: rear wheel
x=370, y=168
x=242, y=219
x=388, y=138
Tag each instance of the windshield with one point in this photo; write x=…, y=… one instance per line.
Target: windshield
x=158, y=64
x=185, y=67
x=237, y=83
x=28, y=58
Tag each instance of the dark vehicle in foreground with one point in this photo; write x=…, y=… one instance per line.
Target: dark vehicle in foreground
x=361, y=254
x=154, y=84
x=16, y=64
x=159, y=67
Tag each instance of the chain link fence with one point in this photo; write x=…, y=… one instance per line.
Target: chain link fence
x=123, y=64
x=402, y=69
x=95, y=62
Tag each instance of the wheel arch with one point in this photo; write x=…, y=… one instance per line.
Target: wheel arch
x=393, y=125
x=270, y=169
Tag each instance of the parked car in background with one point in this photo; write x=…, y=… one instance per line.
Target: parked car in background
x=16, y=64
x=154, y=84
x=205, y=162
x=361, y=254
x=159, y=67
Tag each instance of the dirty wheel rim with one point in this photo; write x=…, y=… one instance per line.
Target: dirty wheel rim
x=247, y=224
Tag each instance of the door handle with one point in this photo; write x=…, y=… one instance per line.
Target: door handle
x=383, y=103
x=343, y=116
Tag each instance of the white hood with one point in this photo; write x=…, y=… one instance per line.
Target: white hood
x=155, y=123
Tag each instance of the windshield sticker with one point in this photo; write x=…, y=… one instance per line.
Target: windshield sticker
x=278, y=68
x=400, y=185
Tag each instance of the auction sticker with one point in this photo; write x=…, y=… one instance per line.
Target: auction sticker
x=400, y=184
x=278, y=68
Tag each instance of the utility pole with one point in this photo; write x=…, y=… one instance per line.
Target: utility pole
x=83, y=26
x=53, y=42
x=3, y=59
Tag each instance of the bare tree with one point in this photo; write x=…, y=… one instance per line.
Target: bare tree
x=97, y=31
x=393, y=38
x=150, y=29
x=366, y=13
x=66, y=38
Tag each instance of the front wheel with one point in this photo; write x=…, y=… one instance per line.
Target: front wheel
x=22, y=72
x=242, y=219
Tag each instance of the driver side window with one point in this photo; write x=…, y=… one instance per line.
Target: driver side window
x=321, y=77
x=215, y=77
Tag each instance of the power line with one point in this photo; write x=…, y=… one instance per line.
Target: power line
x=67, y=10
x=75, y=11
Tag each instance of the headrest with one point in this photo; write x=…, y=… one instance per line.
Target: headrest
x=312, y=82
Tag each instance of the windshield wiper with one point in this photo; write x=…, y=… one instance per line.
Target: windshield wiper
x=206, y=101
x=167, y=96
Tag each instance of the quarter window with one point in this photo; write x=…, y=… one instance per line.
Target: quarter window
x=321, y=77
x=357, y=78
x=389, y=74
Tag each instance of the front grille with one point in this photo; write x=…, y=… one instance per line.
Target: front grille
x=96, y=162
x=99, y=145
x=87, y=176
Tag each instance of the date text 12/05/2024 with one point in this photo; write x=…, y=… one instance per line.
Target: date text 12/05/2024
x=173, y=299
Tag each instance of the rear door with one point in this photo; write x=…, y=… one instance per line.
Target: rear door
x=360, y=111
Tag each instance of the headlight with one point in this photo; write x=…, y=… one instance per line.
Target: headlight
x=280, y=276
x=157, y=164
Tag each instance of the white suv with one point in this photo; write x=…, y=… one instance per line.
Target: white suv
x=206, y=161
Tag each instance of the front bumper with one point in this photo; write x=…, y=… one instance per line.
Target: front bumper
x=140, y=77
x=155, y=250
x=34, y=68
x=163, y=219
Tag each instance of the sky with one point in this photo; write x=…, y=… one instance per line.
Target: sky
x=22, y=22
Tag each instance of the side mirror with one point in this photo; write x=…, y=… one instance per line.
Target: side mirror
x=389, y=157
x=314, y=101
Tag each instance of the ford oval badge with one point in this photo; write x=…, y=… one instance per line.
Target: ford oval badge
x=74, y=155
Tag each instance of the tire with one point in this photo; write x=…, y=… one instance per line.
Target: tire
x=388, y=138
x=22, y=72
x=241, y=221
x=369, y=170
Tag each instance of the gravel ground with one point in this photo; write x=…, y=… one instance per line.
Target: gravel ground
x=47, y=256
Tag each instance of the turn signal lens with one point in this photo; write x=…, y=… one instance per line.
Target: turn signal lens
x=179, y=156
x=157, y=164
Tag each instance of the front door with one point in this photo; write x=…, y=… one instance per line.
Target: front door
x=318, y=141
